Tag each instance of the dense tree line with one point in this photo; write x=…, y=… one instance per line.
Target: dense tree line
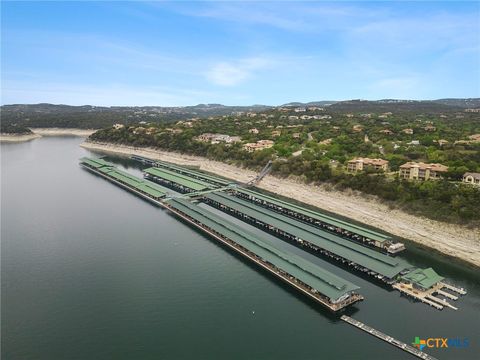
x=6, y=128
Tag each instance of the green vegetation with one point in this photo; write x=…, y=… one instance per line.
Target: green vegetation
x=317, y=150
x=96, y=117
x=6, y=128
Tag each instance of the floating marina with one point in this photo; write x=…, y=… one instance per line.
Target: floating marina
x=316, y=283
x=345, y=229
x=349, y=245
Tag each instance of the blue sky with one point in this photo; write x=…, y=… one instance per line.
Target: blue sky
x=184, y=53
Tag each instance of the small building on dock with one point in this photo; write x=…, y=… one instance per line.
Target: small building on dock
x=422, y=279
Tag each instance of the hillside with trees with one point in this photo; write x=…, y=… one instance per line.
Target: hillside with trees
x=315, y=143
x=96, y=117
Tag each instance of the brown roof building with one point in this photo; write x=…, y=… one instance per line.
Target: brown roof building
x=421, y=171
x=259, y=145
x=360, y=164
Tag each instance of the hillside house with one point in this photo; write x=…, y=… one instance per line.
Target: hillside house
x=360, y=164
x=422, y=171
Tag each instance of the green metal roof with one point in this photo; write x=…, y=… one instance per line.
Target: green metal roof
x=318, y=278
x=140, y=184
x=424, y=278
x=187, y=171
x=361, y=255
x=96, y=163
x=180, y=179
x=319, y=216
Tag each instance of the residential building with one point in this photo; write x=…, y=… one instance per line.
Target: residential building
x=253, y=131
x=360, y=164
x=422, y=171
x=408, y=131
x=118, y=126
x=386, y=132
x=475, y=137
x=276, y=133
x=151, y=130
x=259, y=145
x=296, y=135
x=473, y=110
x=357, y=128
x=217, y=138
x=322, y=117
x=471, y=178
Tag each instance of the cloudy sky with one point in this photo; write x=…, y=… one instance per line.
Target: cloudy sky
x=184, y=53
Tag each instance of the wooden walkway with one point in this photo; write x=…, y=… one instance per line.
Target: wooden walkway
x=389, y=339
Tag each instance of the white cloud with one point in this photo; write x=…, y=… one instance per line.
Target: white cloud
x=234, y=73
x=226, y=74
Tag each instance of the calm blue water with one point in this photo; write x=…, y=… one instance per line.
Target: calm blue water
x=90, y=271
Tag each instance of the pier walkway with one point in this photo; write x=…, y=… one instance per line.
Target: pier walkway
x=399, y=344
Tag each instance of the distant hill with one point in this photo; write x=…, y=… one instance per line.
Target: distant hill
x=88, y=116
x=311, y=103
x=464, y=103
x=393, y=105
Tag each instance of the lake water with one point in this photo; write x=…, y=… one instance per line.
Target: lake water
x=90, y=271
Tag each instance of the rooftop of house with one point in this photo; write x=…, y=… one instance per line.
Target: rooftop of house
x=368, y=161
x=424, y=166
x=476, y=176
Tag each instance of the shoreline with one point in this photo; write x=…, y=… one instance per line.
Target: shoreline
x=40, y=132
x=451, y=240
x=18, y=137
x=62, y=131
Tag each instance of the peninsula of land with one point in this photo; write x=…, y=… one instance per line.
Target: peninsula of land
x=36, y=133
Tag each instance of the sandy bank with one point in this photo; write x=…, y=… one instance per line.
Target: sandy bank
x=63, y=131
x=452, y=240
x=18, y=137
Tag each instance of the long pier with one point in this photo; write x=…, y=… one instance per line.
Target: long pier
x=399, y=344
